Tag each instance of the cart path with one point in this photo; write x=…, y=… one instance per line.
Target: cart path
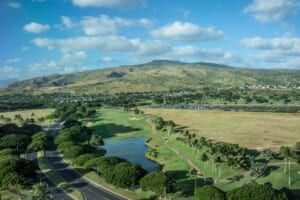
x=187, y=160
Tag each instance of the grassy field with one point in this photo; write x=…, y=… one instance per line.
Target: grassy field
x=118, y=124
x=254, y=130
x=27, y=114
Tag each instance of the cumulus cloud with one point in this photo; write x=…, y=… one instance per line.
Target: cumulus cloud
x=281, y=52
x=24, y=48
x=285, y=45
x=211, y=55
x=75, y=58
x=120, y=4
x=111, y=43
x=106, y=59
x=67, y=22
x=185, y=31
x=103, y=24
x=15, y=5
x=9, y=72
x=13, y=60
x=272, y=10
x=34, y=27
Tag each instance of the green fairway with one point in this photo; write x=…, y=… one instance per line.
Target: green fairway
x=118, y=124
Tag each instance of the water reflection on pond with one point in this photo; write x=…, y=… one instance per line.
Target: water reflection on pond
x=132, y=149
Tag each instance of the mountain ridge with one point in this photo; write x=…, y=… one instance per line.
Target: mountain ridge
x=156, y=76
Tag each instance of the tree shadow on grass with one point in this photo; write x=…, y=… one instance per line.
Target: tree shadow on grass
x=178, y=174
x=111, y=129
x=269, y=170
x=187, y=186
x=180, y=128
x=94, y=118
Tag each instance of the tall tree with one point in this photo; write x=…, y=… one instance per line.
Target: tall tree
x=41, y=142
x=209, y=192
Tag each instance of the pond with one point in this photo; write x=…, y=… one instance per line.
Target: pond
x=132, y=149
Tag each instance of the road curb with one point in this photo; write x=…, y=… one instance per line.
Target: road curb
x=93, y=182
x=97, y=184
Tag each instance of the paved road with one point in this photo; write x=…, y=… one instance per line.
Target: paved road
x=56, y=192
x=89, y=191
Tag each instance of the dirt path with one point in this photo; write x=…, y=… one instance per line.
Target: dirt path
x=188, y=161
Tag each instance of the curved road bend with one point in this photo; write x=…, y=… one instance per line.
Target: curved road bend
x=89, y=191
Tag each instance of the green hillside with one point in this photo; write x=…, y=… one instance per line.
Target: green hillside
x=159, y=75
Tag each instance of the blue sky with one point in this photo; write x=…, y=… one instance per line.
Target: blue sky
x=42, y=37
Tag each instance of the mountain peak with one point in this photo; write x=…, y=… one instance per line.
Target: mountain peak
x=164, y=62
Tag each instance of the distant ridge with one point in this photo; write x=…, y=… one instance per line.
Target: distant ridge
x=7, y=82
x=155, y=76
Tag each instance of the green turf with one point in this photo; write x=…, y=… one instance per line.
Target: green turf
x=118, y=124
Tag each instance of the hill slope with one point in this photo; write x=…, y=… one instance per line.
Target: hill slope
x=159, y=75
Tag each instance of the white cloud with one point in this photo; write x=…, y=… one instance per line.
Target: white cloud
x=24, y=48
x=281, y=52
x=67, y=22
x=74, y=58
x=9, y=72
x=107, y=25
x=13, y=60
x=103, y=24
x=106, y=44
x=15, y=5
x=145, y=22
x=120, y=4
x=98, y=26
x=185, y=31
x=211, y=55
x=153, y=48
x=106, y=59
x=285, y=45
x=272, y=10
x=34, y=27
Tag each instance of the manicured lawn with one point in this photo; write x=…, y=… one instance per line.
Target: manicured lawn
x=254, y=130
x=118, y=124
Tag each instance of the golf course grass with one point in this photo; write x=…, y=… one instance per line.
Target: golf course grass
x=173, y=154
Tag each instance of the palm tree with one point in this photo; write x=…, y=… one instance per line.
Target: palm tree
x=40, y=192
x=286, y=153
